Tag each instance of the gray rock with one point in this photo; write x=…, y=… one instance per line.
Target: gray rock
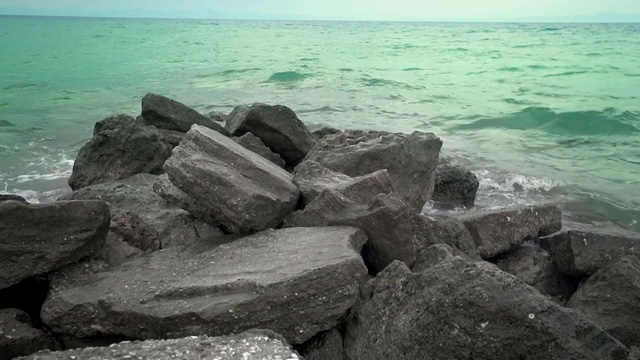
x=130, y=236
x=253, y=143
x=319, y=131
x=297, y=282
x=446, y=230
x=18, y=337
x=120, y=148
x=217, y=116
x=609, y=298
x=436, y=254
x=253, y=344
x=410, y=159
x=454, y=183
x=277, y=126
x=499, y=231
x=7, y=197
x=168, y=114
x=173, y=137
x=241, y=191
x=324, y=346
x=116, y=251
x=37, y=239
x=467, y=310
x=580, y=253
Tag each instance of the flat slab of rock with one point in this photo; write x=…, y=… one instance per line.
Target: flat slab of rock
x=498, y=231
x=253, y=143
x=254, y=344
x=297, y=282
x=454, y=183
x=410, y=159
x=169, y=114
x=37, y=239
x=18, y=337
x=241, y=191
x=580, y=253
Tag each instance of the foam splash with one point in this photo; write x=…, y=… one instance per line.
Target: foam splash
x=514, y=183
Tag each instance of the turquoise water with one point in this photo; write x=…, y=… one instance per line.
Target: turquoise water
x=540, y=111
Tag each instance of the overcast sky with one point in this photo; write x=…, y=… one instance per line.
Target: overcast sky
x=352, y=9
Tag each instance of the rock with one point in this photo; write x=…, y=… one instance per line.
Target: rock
x=120, y=148
x=129, y=237
x=136, y=195
x=460, y=309
x=217, y=116
x=319, y=131
x=253, y=344
x=168, y=114
x=277, y=126
x=253, y=143
x=297, y=282
x=18, y=337
x=434, y=255
x=173, y=137
x=446, y=230
x=313, y=178
x=609, y=298
x=8, y=197
x=498, y=231
x=410, y=159
x=37, y=239
x=454, y=183
x=536, y=268
x=241, y=191
x=116, y=251
x=580, y=253
x=325, y=346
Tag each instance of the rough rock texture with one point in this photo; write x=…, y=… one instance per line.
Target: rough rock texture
x=277, y=126
x=173, y=137
x=454, y=183
x=467, y=310
x=320, y=131
x=410, y=159
x=242, y=191
x=434, y=255
x=313, y=178
x=579, y=253
x=168, y=114
x=250, y=345
x=37, y=239
x=120, y=148
x=7, y=197
x=325, y=346
x=129, y=237
x=297, y=282
x=217, y=116
x=535, y=267
x=497, y=232
x=446, y=230
x=610, y=298
x=18, y=337
x=135, y=195
x=253, y=143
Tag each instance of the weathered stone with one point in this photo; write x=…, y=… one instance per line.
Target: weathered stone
x=319, y=131
x=324, y=346
x=297, y=282
x=129, y=237
x=467, y=310
x=37, y=239
x=454, y=183
x=116, y=251
x=446, y=230
x=253, y=143
x=120, y=148
x=7, y=197
x=277, y=126
x=253, y=344
x=217, y=116
x=580, y=253
x=173, y=137
x=18, y=337
x=434, y=255
x=168, y=114
x=410, y=159
x=609, y=298
x=241, y=191
x=499, y=231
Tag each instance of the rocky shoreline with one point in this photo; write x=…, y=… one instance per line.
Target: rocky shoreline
x=249, y=236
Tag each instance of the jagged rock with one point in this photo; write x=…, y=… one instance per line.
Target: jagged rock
x=467, y=310
x=120, y=148
x=168, y=114
x=217, y=116
x=325, y=346
x=454, y=183
x=18, y=337
x=173, y=137
x=446, y=230
x=434, y=255
x=37, y=239
x=253, y=143
x=609, y=298
x=241, y=191
x=581, y=253
x=297, y=282
x=499, y=231
x=129, y=237
x=410, y=159
x=8, y=197
x=136, y=195
x=253, y=344
x=319, y=131
x=277, y=126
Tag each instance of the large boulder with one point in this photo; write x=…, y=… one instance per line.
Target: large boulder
x=253, y=344
x=410, y=159
x=18, y=337
x=454, y=183
x=610, y=298
x=256, y=145
x=120, y=148
x=461, y=309
x=324, y=346
x=498, y=231
x=7, y=197
x=581, y=253
x=130, y=236
x=37, y=239
x=439, y=229
x=240, y=190
x=168, y=114
x=277, y=126
x=297, y=282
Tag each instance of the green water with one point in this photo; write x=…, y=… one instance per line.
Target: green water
x=540, y=111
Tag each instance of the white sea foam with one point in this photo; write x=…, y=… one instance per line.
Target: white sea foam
x=510, y=182
x=58, y=170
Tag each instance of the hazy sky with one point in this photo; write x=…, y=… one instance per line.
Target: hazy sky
x=353, y=9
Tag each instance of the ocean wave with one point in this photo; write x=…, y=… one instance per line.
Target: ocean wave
x=567, y=73
x=238, y=71
x=287, y=76
x=6, y=123
x=514, y=183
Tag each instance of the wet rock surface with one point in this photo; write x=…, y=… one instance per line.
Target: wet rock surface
x=165, y=113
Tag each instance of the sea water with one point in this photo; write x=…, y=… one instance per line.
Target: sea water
x=540, y=112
